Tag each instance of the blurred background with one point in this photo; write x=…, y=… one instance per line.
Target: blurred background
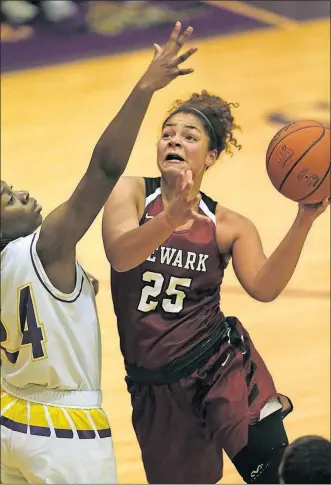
x=67, y=67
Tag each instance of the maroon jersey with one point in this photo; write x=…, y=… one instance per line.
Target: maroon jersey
x=171, y=301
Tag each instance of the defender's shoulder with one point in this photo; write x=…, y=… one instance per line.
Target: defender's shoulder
x=15, y=247
x=17, y=253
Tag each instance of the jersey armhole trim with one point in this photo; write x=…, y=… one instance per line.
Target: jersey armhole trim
x=204, y=207
x=44, y=280
x=152, y=189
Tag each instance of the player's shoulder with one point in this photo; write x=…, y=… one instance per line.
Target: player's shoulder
x=128, y=192
x=141, y=188
x=14, y=248
x=131, y=184
x=224, y=214
x=232, y=220
x=230, y=225
x=16, y=253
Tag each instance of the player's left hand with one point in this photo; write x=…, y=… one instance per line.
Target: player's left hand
x=165, y=64
x=312, y=211
x=94, y=282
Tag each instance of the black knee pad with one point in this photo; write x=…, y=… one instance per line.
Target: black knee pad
x=259, y=460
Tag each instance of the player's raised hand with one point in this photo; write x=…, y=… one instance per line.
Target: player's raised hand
x=183, y=207
x=310, y=212
x=165, y=64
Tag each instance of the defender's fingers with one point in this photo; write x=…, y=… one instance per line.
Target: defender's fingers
x=184, y=37
x=181, y=72
x=174, y=34
x=183, y=57
x=157, y=50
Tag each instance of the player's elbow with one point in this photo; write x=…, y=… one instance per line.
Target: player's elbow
x=120, y=268
x=266, y=296
x=118, y=264
x=263, y=295
x=113, y=172
x=108, y=163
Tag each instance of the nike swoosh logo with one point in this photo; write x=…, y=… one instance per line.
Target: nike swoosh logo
x=148, y=217
x=257, y=471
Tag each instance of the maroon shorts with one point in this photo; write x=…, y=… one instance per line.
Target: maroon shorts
x=183, y=427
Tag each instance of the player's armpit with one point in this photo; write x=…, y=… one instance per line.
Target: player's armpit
x=122, y=213
x=94, y=282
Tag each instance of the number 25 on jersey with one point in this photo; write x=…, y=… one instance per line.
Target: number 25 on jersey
x=172, y=300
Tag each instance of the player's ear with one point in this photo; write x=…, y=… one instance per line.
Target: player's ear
x=211, y=158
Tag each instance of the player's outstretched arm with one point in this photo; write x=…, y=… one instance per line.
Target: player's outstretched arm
x=265, y=278
x=66, y=225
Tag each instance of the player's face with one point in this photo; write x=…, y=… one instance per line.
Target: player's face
x=184, y=145
x=20, y=213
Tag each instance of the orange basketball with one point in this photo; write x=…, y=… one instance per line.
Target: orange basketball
x=298, y=161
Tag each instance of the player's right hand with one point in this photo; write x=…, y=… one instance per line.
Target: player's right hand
x=182, y=207
x=164, y=66
x=310, y=212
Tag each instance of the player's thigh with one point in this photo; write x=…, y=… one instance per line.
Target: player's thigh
x=60, y=460
x=85, y=461
x=176, y=448
x=11, y=475
x=9, y=471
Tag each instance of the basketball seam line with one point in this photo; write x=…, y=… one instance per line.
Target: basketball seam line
x=288, y=134
x=314, y=190
x=299, y=160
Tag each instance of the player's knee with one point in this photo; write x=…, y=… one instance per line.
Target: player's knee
x=259, y=460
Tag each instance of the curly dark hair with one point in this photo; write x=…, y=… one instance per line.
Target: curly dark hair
x=220, y=123
x=307, y=460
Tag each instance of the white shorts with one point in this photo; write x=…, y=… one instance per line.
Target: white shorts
x=48, y=444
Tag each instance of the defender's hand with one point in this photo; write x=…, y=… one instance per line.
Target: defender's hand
x=164, y=66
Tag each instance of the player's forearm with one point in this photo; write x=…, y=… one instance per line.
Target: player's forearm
x=280, y=266
x=135, y=246
x=115, y=145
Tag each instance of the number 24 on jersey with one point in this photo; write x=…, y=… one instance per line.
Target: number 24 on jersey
x=30, y=330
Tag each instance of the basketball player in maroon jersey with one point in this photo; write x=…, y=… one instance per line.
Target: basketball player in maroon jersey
x=197, y=383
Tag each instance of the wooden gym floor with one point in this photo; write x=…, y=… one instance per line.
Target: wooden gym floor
x=51, y=119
